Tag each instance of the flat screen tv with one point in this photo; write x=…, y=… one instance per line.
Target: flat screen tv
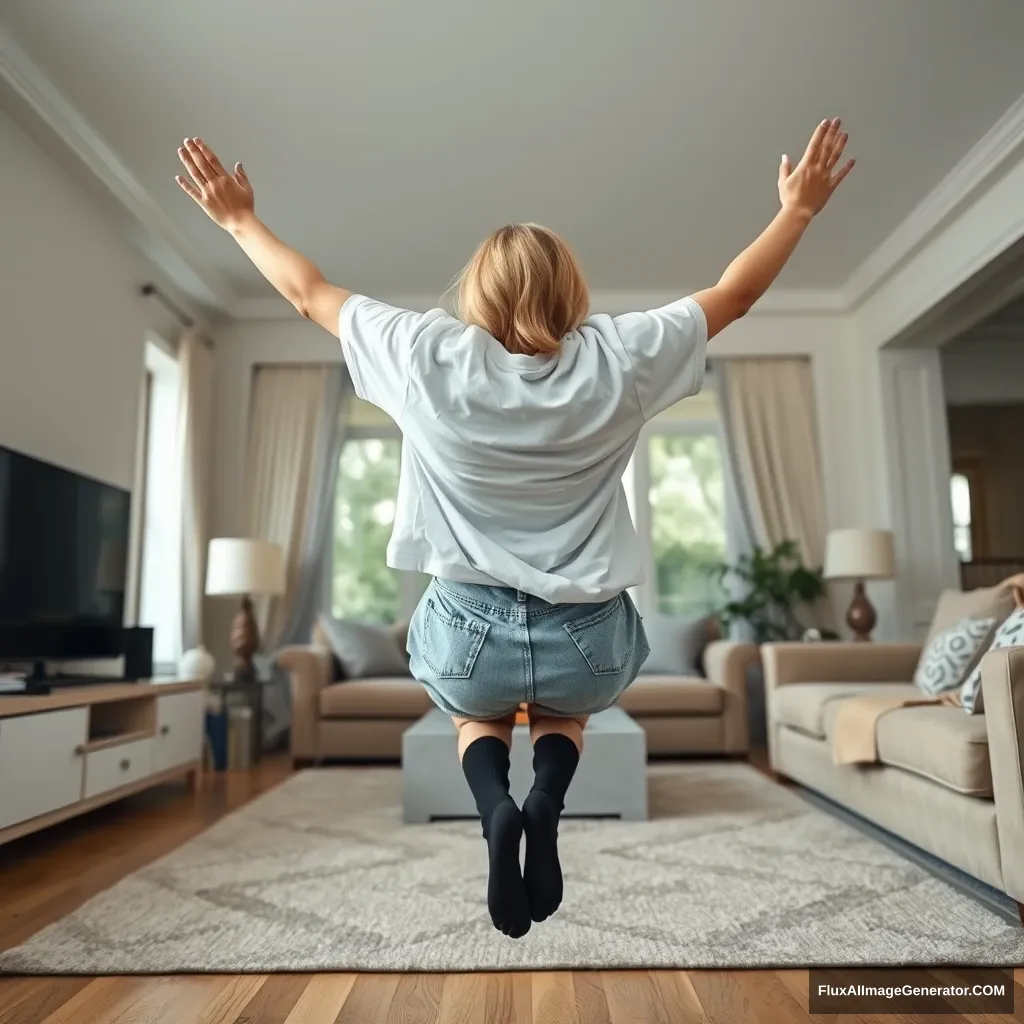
x=63, y=562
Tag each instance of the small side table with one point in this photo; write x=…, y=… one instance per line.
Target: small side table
x=243, y=693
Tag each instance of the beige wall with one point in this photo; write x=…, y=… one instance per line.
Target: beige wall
x=990, y=435
x=73, y=325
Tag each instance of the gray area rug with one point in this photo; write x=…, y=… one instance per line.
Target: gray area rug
x=321, y=875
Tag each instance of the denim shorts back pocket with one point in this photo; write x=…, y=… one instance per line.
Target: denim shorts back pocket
x=606, y=638
x=449, y=644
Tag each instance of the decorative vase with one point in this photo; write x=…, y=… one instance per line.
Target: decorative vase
x=197, y=664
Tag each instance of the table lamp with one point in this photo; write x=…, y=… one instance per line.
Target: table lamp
x=240, y=567
x=860, y=554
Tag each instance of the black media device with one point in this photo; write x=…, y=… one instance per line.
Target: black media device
x=137, y=645
x=63, y=564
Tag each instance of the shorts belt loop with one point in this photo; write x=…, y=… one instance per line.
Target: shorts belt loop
x=521, y=597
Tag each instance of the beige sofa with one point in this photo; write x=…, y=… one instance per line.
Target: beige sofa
x=365, y=718
x=948, y=782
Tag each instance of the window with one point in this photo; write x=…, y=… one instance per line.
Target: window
x=159, y=602
x=679, y=504
x=960, y=496
x=687, y=502
x=362, y=585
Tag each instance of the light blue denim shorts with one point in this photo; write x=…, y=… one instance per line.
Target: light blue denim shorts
x=482, y=651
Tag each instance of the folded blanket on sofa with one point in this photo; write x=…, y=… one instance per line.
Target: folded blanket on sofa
x=855, y=735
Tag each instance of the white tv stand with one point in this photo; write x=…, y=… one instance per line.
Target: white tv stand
x=84, y=746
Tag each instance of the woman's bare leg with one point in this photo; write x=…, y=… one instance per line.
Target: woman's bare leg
x=484, y=753
x=471, y=729
x=557, y=743
x=545, y=725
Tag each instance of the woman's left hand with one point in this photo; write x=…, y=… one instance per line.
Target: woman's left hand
x=227, y=199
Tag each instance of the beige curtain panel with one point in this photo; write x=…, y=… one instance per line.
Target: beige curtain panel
x=774, y=432
x=195, y=362
x=286, y=410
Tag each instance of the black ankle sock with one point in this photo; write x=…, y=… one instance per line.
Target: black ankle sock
x=555, y=759
x=485, y=764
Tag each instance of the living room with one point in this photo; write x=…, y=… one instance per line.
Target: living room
x=254, y=829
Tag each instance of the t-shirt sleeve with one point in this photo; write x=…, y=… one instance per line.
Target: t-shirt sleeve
x=668, y=348
x=377, y=340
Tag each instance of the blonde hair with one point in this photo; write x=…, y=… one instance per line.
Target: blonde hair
x=524, y=287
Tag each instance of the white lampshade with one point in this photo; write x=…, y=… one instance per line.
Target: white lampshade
x=241, y=566
x=860, y=554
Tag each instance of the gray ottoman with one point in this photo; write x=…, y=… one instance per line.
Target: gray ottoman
x=611, y=781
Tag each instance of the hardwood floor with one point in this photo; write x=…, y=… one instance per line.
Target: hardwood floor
x=45, y=876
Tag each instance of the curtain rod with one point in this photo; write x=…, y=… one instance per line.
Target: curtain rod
x=150, y=289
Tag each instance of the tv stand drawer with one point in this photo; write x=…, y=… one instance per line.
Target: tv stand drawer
x=117, y=766
x=40, y=763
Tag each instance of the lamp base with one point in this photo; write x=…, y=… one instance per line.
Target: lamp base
x=860, y=616
x=245, y=641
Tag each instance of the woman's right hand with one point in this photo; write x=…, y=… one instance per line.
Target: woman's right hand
x=807, y=187
x=227, y=199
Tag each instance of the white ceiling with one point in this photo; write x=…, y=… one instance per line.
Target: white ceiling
x=385, y=139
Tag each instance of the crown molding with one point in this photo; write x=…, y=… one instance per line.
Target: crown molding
x=160, y=238
x=783, y=302
x=969, y=177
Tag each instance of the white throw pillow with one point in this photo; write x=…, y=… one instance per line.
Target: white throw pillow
x=948, y=658
x=1009, y=634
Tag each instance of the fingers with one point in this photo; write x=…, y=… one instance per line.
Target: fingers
x=210, y=157
x=191, y=166
x=838, y=179
x=814, y=146
x=200, y=160
x=243, y=178
x=837, y=150
x=785, y=168
x=190, y=190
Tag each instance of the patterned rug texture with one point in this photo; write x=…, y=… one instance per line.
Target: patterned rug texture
x=320, y=874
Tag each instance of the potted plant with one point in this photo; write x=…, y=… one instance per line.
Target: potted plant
x=769, y=590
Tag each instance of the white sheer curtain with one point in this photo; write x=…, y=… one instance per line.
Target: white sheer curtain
x=196, y=368
x=286, y=417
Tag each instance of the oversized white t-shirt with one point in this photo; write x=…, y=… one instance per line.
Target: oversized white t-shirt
x=512, y=465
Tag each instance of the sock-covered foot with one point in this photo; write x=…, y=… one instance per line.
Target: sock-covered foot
x=542, y=874
x=485, y=763
x=555, y=758
x=506, y=893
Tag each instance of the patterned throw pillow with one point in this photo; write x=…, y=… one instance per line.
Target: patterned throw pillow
x=1009, y=634
x=949, y=656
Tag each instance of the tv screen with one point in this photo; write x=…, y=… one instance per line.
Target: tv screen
x=63, y=562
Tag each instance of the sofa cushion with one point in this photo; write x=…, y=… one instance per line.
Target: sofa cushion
x=802, y=706
x=672, y=695
x=936, y=741
x=394, y=697
x=947, y=661
x=955, y=605
x=1009, y=634
x=677, y=645
x=364, y=650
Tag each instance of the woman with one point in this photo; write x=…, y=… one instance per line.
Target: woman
x=519, y=418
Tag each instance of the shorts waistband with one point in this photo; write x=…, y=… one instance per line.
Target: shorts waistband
x=495, y=600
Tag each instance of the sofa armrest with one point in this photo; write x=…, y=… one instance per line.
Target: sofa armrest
x=310, y=669
x=841, y=662
x=1002, y=686
x=726, y=663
